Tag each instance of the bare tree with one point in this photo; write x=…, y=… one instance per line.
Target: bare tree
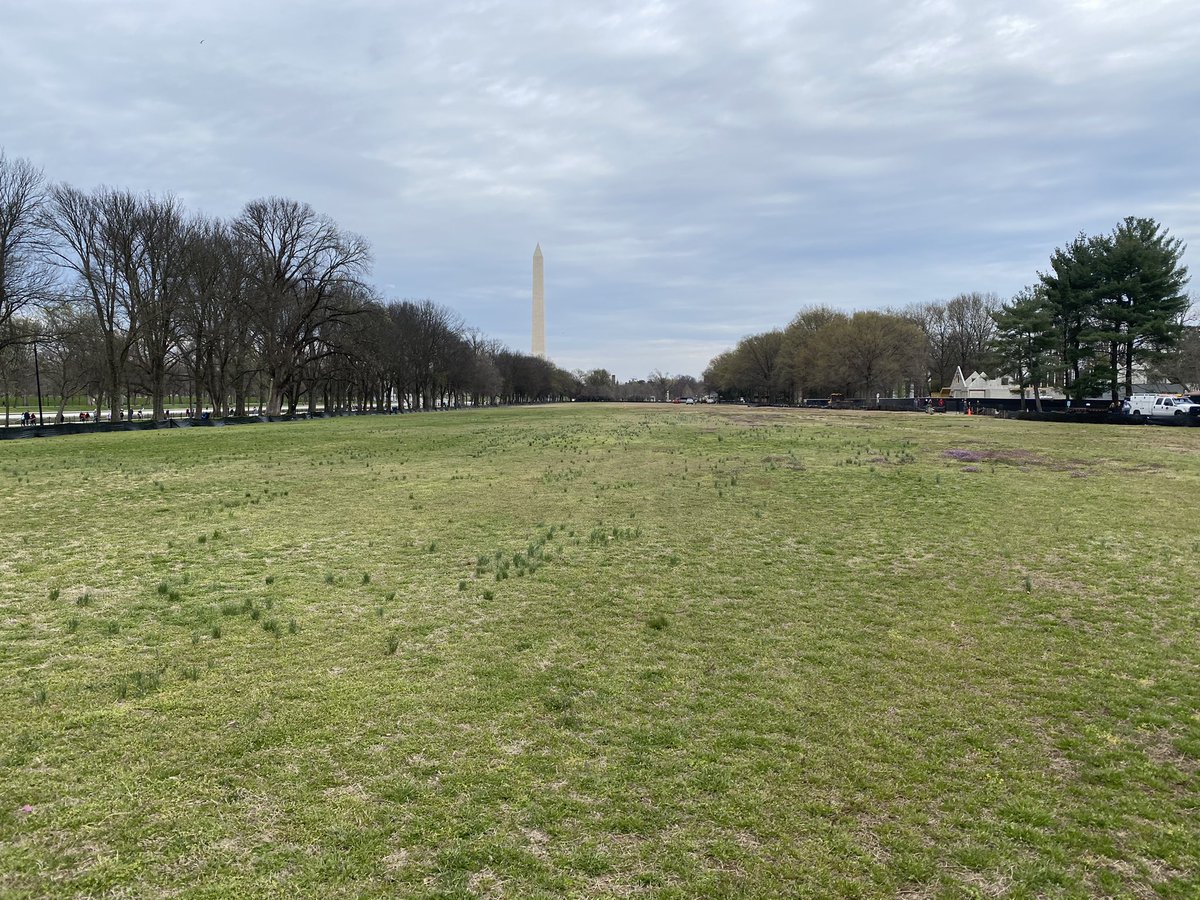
x=972, y=329
x=355, y=371
x=428, y=342
x=71, y=354
x=88, y=227
x=214, y=325
x=483, y=382
x=147, y=242
x=660, y=381
x=16, y=367
x=935, y=324
x=300, y=268
x=26, y=277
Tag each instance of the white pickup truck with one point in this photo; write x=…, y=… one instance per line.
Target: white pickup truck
x=1162, y=405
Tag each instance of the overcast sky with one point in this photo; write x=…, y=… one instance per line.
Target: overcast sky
x=694, y=171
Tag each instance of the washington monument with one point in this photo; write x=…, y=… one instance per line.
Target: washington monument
x=539, y=305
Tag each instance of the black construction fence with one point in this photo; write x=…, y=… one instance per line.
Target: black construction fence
x=1086, y=412
x=13, y=432
x=1096, y=412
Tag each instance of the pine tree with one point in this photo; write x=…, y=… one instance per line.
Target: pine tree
x=1143, y=301
x=1025, y=339
x=1113, y=300
x=1070, y=290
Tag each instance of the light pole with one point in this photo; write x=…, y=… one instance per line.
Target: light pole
x=37, y=377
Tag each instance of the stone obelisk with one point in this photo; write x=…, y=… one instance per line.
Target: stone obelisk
x=539, y=305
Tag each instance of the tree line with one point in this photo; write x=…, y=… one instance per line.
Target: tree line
x=116, y=295
x=1109, y=307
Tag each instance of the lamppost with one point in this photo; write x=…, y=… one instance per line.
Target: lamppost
x=37, y=377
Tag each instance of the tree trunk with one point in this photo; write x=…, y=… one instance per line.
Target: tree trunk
x=1115, y=362
x=1128, y=369
x=157, y=389
x=114, y=386
x=274, y=398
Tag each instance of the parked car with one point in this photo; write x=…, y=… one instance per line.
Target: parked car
x=1158, y=405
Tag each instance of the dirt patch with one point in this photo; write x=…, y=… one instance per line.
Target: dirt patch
x=1159, y=746
x=1005, y=457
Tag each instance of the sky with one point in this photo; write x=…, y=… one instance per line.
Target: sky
x=694, y=171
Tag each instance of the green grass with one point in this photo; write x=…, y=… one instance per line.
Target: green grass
x=732, y=653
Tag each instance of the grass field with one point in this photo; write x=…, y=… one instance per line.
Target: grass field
x=602, y=651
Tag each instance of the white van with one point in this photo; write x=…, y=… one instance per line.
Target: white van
x=1162, y=405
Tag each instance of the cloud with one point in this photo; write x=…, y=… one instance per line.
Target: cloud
x=710, y=165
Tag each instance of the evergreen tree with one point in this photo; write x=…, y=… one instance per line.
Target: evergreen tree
x=1025, y=339
x=1113, y=300
x=1142, y=303
x=1071, y=289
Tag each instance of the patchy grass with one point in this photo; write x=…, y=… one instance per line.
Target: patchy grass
x=733, y=652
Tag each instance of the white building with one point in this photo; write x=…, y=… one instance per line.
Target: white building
x=978, y=386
